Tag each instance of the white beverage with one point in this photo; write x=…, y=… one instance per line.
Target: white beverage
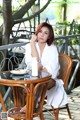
x=34, y=66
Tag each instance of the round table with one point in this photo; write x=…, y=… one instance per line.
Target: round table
x=27, y=82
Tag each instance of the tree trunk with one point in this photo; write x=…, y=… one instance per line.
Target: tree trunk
x=7, y=26
x=7, y=21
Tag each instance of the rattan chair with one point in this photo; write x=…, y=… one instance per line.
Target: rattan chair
x=64, y=74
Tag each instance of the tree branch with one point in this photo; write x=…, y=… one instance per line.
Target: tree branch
x=32, y=16
x=21, y=12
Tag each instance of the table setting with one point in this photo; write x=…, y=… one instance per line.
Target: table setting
x=16, y=74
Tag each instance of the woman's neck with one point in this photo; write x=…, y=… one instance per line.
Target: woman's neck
x=41, y=47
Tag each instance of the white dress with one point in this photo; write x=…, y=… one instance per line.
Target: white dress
x=56, y=96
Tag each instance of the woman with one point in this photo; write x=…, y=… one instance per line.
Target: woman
x=43, y=48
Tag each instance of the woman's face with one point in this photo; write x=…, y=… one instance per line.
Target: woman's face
x=43, y=35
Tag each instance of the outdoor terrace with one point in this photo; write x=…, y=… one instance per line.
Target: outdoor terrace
x=74, y=105
x=74, y=94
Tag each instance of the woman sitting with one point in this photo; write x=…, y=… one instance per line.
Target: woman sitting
x=43, y=48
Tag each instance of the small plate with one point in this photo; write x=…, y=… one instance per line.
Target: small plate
x=19, y=72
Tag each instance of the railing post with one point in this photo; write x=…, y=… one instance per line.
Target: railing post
x=73, y=77
x=6, y=95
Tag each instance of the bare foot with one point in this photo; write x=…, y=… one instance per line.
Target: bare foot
x=23, y=109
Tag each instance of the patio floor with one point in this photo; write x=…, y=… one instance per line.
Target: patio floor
x=74, y=105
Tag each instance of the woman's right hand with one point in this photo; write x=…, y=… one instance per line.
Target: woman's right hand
x=34, y=38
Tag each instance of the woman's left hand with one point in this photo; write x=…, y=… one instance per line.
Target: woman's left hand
x=40, y=67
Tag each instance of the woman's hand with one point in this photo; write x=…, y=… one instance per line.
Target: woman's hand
x=40, y=67
x=34, y=38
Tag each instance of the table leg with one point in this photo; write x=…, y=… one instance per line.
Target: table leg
x=30, y=103
x=16, y=95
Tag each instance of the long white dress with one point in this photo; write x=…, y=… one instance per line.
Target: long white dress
x=56, y=96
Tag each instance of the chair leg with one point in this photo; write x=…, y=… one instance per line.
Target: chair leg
x=56, y=113
x=68, y=111
x=41, y=116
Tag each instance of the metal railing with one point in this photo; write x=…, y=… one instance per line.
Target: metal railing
x=64, y=44
x=67, y=47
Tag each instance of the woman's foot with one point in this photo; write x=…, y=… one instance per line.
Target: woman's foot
x=23, y=109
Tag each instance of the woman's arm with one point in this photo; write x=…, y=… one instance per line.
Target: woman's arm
x=34, y=52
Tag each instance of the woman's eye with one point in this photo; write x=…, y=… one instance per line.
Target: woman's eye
x=46, y=33
x=40, y=31
x=43, y=32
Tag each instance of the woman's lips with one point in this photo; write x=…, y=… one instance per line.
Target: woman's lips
x=41, y=38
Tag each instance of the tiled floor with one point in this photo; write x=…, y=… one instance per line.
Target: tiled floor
x=74, y=105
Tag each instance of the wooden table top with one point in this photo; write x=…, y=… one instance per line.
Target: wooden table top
x=8, y=78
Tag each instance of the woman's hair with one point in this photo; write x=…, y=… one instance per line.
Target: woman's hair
x=51, y=32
